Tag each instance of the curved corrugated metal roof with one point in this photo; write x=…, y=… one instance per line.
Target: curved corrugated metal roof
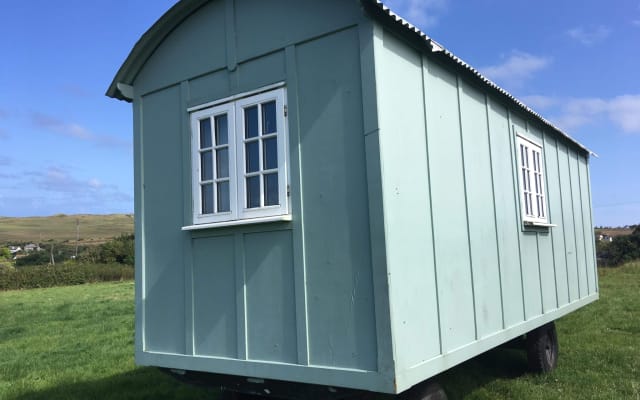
x=435, y=47
x=179, y=12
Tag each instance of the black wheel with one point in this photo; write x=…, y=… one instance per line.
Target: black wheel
x=542, y=348
x=428, y=390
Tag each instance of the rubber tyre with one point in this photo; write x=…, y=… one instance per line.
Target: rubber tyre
x=542, y=348
x=428, y=390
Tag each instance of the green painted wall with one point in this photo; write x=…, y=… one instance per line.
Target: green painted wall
x=405, y=254
x=464, y=272
x=334, y=198
x=164, y=278
x=408, y=234
x=292, y=293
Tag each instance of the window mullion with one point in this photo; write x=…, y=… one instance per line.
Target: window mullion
x=238, y=137
x=214, y=160
x=260, y=155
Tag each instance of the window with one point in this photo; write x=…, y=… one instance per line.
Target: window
x=534, y=208
x=240, y=159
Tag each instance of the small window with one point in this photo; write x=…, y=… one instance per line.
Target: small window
x=240, y=159
x=531, y=178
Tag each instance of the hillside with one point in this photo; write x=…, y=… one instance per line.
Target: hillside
x=614, y=232
x=93, y=228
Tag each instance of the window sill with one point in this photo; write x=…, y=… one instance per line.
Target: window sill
x=248, y=221
x=530, y=224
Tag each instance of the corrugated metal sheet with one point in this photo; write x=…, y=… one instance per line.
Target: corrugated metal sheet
x=438, y=48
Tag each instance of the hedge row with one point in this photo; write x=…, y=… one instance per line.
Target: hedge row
x=62, y=275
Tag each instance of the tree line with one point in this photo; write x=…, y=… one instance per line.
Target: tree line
x=619, y=251
x=119, y=250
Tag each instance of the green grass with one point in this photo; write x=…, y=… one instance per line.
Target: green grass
x=77, y=343
x=599, y=353
x=61, y=227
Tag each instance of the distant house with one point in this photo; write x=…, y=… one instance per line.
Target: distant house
x=15, y=249
x=32, y=247
x=605, y=238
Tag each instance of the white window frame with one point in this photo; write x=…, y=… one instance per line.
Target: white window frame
x=196, y=117
x=531, y=178
x=239, y=213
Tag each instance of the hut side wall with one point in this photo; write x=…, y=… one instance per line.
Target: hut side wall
x=465, y=274
x=287, y=300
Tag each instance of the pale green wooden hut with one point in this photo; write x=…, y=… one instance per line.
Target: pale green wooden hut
x=324, y=195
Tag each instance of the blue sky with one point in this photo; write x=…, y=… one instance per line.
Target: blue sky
x=66, y=148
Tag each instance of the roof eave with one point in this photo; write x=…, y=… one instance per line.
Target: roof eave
x=146, y=45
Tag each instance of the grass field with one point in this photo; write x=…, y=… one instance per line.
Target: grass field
x=77, y=343
x=61, y=227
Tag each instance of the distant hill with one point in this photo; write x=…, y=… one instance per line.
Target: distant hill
x=614, y=232
x=94, y=229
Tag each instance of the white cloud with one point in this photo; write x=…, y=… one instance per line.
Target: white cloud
x=622, y=111
x=62, y=183
x=625, y=112
x=59, y=179
x=74, y=130
x=589, y=36
x=422, y=13
x=95, y=183
x=516, y=69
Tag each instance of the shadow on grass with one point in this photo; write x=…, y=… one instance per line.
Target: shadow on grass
x=504, y=362
x=141, y=383
x=149, y=383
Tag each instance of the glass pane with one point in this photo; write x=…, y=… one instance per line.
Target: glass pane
x=271, y=190
x=206, y=166
x=207, y=198
x=539, y=183
x=269, y=117
x=539, y=204
x=223, y=196
x=251, y=122
x=270, y=153
x=205, y=133
x=253, y=191
x=222, y=130
x=222, y=163
x=252, y=154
